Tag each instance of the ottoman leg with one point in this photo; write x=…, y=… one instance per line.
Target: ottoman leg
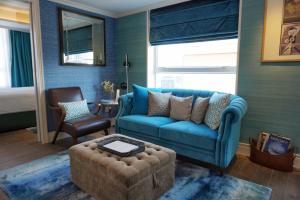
x=106, y=131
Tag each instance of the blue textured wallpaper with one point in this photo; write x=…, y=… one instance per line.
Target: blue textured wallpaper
x=87, y=77
x=130, y=38
x=271, y=89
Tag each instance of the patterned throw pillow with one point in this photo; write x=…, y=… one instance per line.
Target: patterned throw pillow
x=181, y=108
x=159, y=104
x=199, y=109
x=217, y=104
x=75, y=109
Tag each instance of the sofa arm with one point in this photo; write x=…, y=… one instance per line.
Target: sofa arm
x=229, y=131
x=125, y=105
x=237, y=107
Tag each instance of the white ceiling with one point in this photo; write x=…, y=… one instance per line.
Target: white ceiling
x=118, y=8
x=15, y=4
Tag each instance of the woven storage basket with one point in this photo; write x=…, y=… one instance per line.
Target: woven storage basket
x=279, y=162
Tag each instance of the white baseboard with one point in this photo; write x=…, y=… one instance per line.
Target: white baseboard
x=244, y=149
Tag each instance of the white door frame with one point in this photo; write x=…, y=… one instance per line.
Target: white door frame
x=38, y=69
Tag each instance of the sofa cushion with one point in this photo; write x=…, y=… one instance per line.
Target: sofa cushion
x=85, y=125
x=143, y=124
x=140, y=99
x=189, y=133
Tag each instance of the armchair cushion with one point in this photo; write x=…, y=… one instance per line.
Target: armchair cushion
x=85, y=125
x=75, y=109
x=143, y=124
x=189, y=133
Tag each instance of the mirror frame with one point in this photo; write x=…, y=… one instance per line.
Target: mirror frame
x=61, y=35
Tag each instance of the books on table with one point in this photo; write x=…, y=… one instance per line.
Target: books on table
x=273, y=144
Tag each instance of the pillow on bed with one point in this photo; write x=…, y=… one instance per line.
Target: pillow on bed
x=75, y=109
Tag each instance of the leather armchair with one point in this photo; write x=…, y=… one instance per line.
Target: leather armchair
x=76, y=127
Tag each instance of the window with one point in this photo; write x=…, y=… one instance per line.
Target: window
x=202, y=65
x=84, y=58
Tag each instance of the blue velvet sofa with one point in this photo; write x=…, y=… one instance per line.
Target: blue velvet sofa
x=199, y=142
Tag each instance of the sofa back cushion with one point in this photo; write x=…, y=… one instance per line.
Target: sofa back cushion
x=159, y=104
x=181, y=108
x=140, y=99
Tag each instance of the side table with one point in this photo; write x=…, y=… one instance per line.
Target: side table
x=109, y=104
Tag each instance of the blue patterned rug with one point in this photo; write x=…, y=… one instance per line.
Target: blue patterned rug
x=49, y=178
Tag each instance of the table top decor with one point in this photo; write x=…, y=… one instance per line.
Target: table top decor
x=121, y=146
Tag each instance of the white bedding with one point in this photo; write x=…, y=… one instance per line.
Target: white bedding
x=13, y=100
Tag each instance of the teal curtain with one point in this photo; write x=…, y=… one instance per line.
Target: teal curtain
x=21, y=60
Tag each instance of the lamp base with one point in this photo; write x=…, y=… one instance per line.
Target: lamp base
x=123, y=86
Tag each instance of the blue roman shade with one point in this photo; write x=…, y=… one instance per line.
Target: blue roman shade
x=79, y=40
x=194, y=21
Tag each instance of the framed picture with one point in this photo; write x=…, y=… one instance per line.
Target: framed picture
x=281, y=37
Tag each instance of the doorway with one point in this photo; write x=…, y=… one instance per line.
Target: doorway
x=21, y=84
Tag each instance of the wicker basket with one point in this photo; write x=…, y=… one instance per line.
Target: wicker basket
x=279, y=162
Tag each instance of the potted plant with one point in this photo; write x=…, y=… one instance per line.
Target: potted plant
x=108, y=89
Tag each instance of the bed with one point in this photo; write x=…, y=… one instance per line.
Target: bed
x=17, y=108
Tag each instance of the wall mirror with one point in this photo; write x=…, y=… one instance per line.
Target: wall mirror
x=82, y=39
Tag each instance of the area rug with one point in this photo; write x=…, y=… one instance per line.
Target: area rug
x=49, y=178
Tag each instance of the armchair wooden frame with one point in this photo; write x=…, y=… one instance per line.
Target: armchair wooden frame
x=74, y=94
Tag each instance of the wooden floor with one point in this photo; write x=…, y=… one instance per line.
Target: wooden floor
x=20, y=147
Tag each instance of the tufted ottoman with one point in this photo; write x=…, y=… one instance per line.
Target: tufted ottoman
x=105, y=176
